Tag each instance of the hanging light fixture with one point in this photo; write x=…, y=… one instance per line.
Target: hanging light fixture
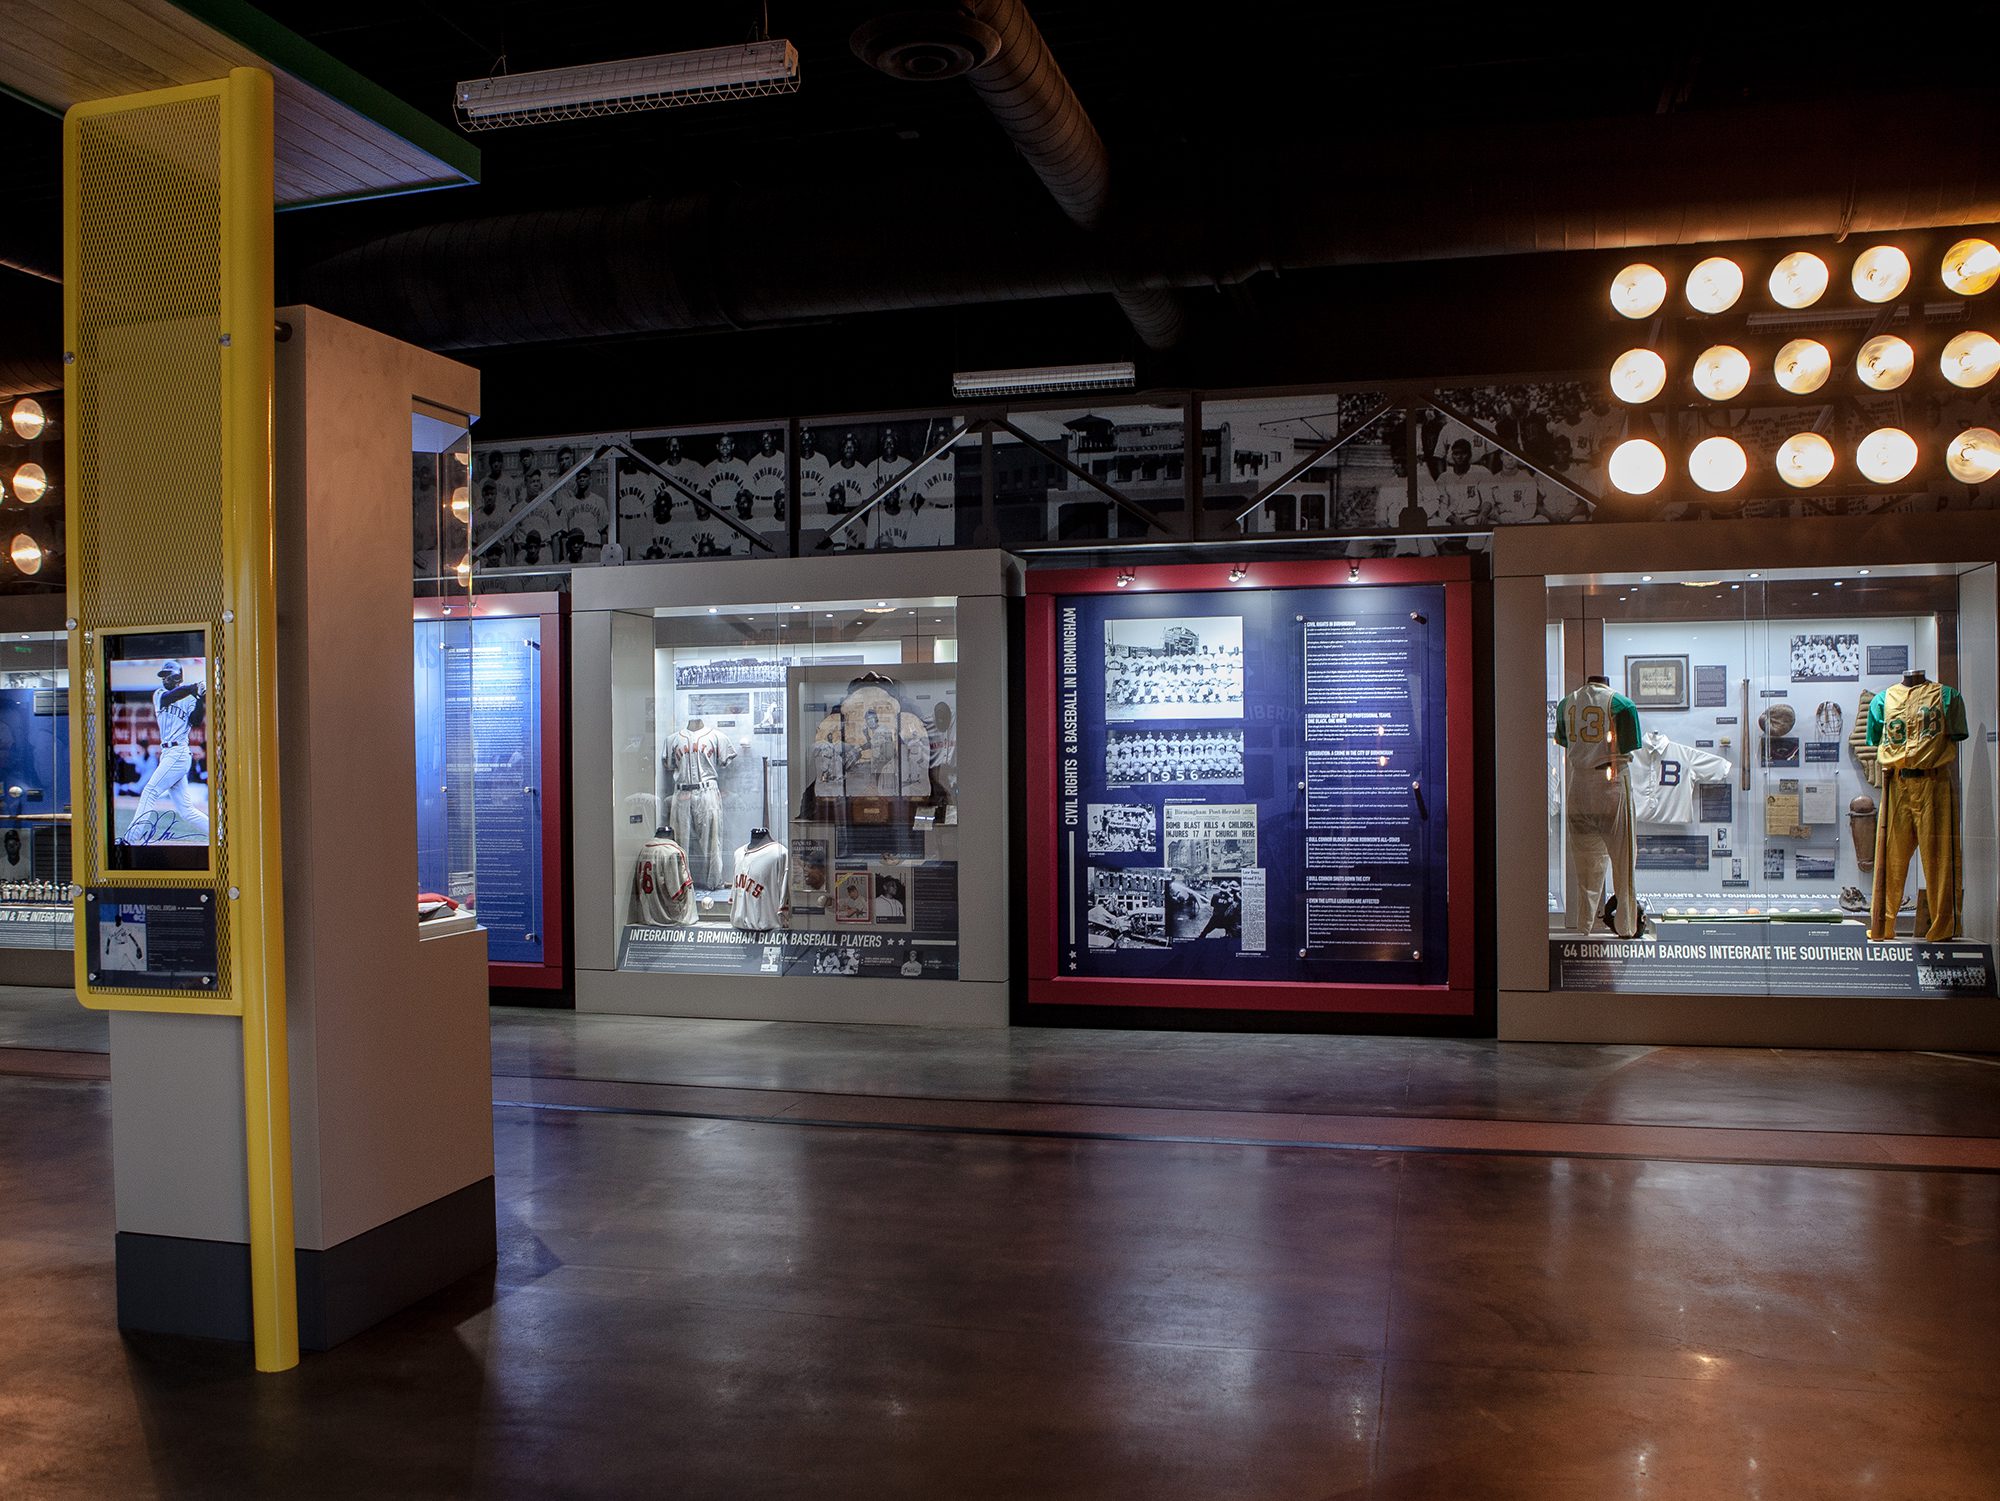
x=1802, y=366
x=1639, y=290
x=1886, y=455
x=1885, y=362
x=1974, y=456
x=1970, y=359
x=1638, y=375
x=1721, y=372
x=1799, y=280
x=1714, y=285
x=31, y=483
x=1637, y=466
x=1717, y=464
x=1881, y=273
x=1804, y=459
x=1971, y=266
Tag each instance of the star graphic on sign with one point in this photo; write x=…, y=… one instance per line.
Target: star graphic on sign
x=1072, y=966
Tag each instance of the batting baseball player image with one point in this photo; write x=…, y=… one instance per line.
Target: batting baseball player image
x=166, y=795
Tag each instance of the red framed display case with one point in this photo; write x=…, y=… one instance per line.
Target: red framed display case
x=1443, y=987
x=515, y=965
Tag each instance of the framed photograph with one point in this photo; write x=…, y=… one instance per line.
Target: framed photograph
x=811, y=875
x=156, y=753
x=1657, y=682
x=854, y=897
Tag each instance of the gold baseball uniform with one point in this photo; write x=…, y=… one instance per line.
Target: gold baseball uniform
x=1915, y=729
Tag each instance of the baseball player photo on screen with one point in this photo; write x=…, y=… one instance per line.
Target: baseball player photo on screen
x=156, y=750
x=1174, y=669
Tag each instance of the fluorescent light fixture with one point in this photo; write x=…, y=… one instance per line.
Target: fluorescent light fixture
x=1115, y=375
x=748, y=71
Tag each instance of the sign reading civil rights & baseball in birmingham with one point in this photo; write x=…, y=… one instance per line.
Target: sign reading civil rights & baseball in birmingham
x=1252, y=785
x=1770, y=958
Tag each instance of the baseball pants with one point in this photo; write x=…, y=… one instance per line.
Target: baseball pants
x=1602, y=851
x=695, y=816
x=167, y=790
x=1919, y=818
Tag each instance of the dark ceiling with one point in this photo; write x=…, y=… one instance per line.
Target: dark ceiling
x=1251, y=112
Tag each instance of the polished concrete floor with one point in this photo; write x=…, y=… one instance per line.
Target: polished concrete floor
x=920, y=1288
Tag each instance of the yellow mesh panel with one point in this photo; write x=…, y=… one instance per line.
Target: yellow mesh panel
x=145, y=402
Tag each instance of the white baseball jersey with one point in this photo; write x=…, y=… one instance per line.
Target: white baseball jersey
x=173, y=718
x=812, y=482
x=586, y=513
x=697, y=756
x=852, y=480
x=1516, y=497
x=724, y=486
x=662, y=888
x=1664, y=773
x=933, y=498
x=757, y=900
x=767, y=486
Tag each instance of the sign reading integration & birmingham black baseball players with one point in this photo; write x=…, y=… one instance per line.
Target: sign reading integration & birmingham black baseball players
x=1253, y=784
x=803, y=815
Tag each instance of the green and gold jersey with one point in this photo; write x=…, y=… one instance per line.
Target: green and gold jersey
x=1915, y=727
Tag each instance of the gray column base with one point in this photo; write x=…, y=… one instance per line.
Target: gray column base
x=168, y=1285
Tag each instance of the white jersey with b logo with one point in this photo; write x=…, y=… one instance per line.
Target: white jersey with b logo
x=1664, y=774
x=757, y=899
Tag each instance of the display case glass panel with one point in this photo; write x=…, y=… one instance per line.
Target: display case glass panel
x=786, y=789
x=447, y=770
x=35, y=907
x=1260, y=786
x=1770, y=782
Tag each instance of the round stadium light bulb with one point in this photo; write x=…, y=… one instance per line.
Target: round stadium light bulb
x=28, y=419
x=31, y=483
x=1885, y=362
x=1970, y=359
x=1974, y=457
x=1717, y=464
x=1637, y=466
x=1802, y=366
x=1804, y=460
x=1971, y=266
x=1721, y=372
x=1638, y=290
x=1638, y=375
x=26, y=553
x=1881, y=273
x=1886, y=455
x=461, y=504
x=464, y=569
x=1799, y=280
x=1714, y=285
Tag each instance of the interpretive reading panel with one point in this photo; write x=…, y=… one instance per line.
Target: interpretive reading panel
x=507, y=786
x=1770, y=958
x=145, y=938
x=731, y=951
x=1252, y=785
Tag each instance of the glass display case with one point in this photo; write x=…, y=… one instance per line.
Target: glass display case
x=1257, y=786
x=1772, y=781
x=35, y=907
x=487, y=692
x=447, y=753
x=788, y=799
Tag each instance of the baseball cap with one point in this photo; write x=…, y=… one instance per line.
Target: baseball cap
x=168, y=669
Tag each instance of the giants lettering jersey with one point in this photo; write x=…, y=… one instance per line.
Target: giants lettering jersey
x=662, y=890
x=757, y=900
x=697, y=756
x=1664, y=773
x=1596, y=726
x=1915, y=728
x=173, y=718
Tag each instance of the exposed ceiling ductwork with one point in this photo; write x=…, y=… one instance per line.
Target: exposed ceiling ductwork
x=701, y=263
x=997, y=47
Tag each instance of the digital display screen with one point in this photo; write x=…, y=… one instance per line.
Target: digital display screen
x=156, y=750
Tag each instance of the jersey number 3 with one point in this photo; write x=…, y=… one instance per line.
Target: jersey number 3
x=1590, y=723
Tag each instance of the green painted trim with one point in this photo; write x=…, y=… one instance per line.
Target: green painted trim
x=287, y=50
x=31, y=101
x=366, y=195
